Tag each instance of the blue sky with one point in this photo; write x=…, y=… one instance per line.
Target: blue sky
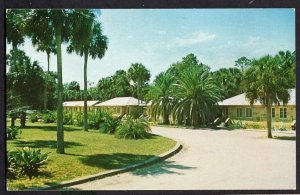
x=159, y=37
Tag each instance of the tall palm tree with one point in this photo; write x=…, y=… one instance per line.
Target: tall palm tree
x=160, y=96
x=59, y=22
x=197, y=95
x=267, y=81
x=15, y=27
x=139, y=75
x=87, y=40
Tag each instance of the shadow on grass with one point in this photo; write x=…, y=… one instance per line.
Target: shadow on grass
x=165, y=167
x=51, y=128
x=45, y=144
x=113, y=161
x=291, y=138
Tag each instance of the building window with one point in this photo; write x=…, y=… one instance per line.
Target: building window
x=248, y=112
x=283, y=113
x=239, y=112
x=273, y=112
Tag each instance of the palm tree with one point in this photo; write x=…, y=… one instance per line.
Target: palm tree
x=267, y=81
x=196, y=94
x=87, y=40
x=15, y=27
x=59, y=23
x=160, y=96
x=139, y=75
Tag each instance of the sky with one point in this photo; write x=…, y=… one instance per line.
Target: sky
x=159, y=37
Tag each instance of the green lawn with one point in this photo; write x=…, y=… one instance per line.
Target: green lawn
x=86, y=153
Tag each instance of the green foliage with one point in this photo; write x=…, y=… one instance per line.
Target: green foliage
x=131, y=128
x=97, y=117
x=237, y=125
x=110, y=125
x=28, y=161
x=78, y=119
x=11, y=166
x=12, y=133
x=49, y=117
x=160, y=96
x=25, y=79
x=33, y=118
x=67, y=118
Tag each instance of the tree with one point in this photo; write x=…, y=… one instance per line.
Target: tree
x=160, y=96
x=140, y=76
x=266, y=80
x=120, y=84
x=25, y=79
x=242, y=63
x=229, y=80
x=87, y=40
x=44, y=42
x=196, y=94
x=57, y=21
x=15, y=26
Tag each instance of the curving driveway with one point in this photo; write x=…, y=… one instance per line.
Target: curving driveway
x=213, y=159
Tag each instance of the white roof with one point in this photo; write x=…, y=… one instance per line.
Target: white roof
x=122, y=101
x=79, y=103
x=241, y=100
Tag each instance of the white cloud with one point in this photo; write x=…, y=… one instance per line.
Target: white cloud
x=194, y=38
x=129, y=37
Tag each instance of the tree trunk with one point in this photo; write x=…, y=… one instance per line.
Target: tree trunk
x=13, y=118
x=60, y=132
x=269, y=119
x=46, y=82
x=166, y=120
x=23, y=119
x=85, y=92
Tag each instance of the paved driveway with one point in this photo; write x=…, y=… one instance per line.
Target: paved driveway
x=213, y=159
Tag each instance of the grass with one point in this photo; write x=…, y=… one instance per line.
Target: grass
x=86, y=153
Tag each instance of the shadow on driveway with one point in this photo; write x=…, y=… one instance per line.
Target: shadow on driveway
x=165, y=167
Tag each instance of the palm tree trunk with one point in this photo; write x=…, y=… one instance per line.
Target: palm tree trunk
x=85, y=92
x=60, y=131
x=166, y=120
x=46, y=83
x=269, y=119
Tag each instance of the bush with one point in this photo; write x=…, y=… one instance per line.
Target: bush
x=131, y=128
x=49, y=117
x=110, y=125
x=78, y=119
x=33, y=118
x=67, y=118
x=136, y=112
x=97, y=117
x=11, y=167
x=237, y=125
x=28, y=161
x=12, y=133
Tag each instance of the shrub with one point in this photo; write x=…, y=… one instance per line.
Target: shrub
x=67, y=118
x=97, y=117
x=110, y=125
x=12, y=133
x=237, y=125
x=33, y=118
x=11, y=167
x=136, y=112
x=131, y=128
x=29, y=161
x=78, y=119
x=49, y=117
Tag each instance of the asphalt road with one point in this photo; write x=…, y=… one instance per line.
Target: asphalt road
x=213, y=160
